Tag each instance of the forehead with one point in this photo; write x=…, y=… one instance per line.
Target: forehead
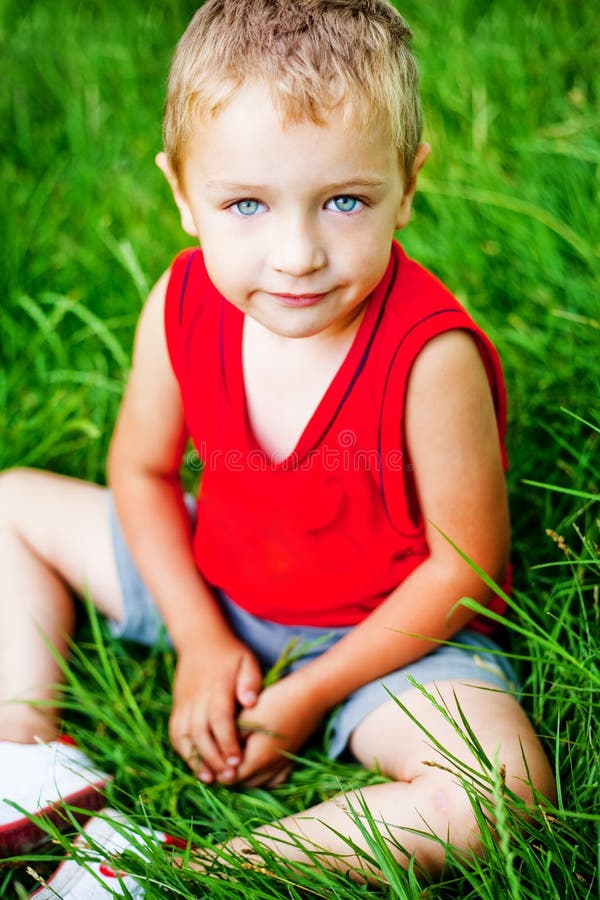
x=251, y=134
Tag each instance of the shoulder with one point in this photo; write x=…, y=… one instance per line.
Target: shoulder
x=448, y=372
x=151, y=337
x=150, y=323
x=454, y=353
x=449, y=392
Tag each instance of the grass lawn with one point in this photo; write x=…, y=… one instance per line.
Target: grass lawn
x=507, y=215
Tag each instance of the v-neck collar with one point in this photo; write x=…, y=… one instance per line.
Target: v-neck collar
x=336, y=393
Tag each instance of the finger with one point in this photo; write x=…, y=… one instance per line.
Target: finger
x=281, y=777
x=188, y=750
x=249, y=681
x=179, y=735
x=195, y=745
x=268, y=778
x=213, y=731
x=224, y=731
x=272, y=775
x=209, y=752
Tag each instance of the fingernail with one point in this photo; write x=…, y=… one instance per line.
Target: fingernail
x=233, y=760
x=249, y=697
x=226, y=775
x=205, y=777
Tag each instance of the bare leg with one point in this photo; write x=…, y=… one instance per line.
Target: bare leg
x=54, y=540
x=422, y=798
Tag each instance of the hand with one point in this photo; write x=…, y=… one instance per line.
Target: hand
x=284, y=717
x=210, y=681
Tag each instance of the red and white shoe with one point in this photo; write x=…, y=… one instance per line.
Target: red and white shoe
x=40, y=778
x=96, y=874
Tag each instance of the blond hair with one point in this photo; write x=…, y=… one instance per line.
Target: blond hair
x=311, y=54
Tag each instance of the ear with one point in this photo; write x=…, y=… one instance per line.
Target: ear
x=405, y=210
x=187, y=221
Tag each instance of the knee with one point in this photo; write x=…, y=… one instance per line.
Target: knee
x=457, y=812
x=20, y=491
x=450, y=824
x=12, y=488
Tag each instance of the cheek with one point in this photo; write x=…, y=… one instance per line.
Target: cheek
x=371, y=258
x=228, y=269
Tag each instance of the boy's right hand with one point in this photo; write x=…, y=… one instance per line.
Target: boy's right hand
x=210, y=685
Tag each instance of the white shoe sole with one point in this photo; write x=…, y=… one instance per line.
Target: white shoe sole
x=41, y=779
x=95, y=876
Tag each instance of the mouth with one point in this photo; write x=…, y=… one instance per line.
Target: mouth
x=298, y=300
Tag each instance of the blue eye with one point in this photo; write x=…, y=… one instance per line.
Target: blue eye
x=246, y=207
x=344, y=203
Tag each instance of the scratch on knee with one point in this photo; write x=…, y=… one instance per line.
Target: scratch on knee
x=440, y=801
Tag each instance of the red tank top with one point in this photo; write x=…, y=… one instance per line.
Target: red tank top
x=322, y=537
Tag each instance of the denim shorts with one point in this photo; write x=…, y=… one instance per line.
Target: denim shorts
x=478, y=658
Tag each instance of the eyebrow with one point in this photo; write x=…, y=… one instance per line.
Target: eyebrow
x=362, y=181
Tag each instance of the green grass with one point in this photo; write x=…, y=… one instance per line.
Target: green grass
x=507, y=215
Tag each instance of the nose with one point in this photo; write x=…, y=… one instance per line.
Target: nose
x=297, y=248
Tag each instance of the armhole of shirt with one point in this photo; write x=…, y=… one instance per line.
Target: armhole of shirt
x=175, y=306
x=397, y=482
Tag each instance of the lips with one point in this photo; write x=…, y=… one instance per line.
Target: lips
x=298, y=300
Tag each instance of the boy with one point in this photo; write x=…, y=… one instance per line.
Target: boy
x=348, y=414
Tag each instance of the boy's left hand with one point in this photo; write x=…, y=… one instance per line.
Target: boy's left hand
x=284, y=717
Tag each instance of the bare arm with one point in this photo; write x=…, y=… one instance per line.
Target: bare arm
x=452, y=438
x=144, y=461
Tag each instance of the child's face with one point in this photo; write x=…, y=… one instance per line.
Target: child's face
x=295, y=222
